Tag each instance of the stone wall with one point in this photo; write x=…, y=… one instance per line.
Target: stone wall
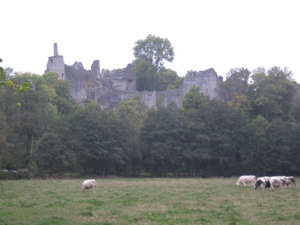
x=208, y=81
x=109, y=88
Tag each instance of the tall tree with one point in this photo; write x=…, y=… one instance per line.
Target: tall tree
x=278, y=153
x=150, y=55
x=295, y=151
x=161, y=136
x=5, y=145
x=50, y=154
x=271, y=93
x=146, y=74
x=97, y=141
x=132, y=113
x=236, y=82
x=155, y=49
x=256, y=156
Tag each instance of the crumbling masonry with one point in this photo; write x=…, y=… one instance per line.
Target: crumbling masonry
x=109, y=88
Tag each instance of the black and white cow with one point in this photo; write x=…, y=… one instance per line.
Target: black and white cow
x=278, y=181
x=262, y=182
x=271, y=182
x=290, y=180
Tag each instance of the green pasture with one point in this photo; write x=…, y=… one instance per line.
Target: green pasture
x=145, y=201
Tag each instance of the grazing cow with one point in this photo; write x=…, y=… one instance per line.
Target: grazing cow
x=262, y=183
x=89, y=184
x=277, y=181
x=290, y=180
x=246, y=179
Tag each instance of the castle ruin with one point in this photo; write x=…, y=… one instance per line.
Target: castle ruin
x=109, y=88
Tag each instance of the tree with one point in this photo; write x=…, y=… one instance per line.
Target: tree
x=197, y=154
x=242, y=103
x=145, y=74
x=49, y=156
x=168, y=80
x=271, y=93
x=150, y=56
x=5, y=145
x=155, y=49
x=161, y=136
x=256, y=156
x=30, y=121
x=132, y=114
x=193, y=99
x=236, y=82
x=295, y=151
x=7, y=82
x=97, y=142
x=278, y=154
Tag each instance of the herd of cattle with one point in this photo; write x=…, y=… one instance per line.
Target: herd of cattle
x=266, y=182
x=261, y=182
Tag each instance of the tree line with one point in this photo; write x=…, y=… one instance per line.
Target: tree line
x=255, y=131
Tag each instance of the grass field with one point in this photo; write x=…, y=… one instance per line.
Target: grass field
x=145, y=201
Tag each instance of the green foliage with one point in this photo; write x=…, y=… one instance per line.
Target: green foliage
x=236, y=82
x=132, y=114
x=295, y=150
x=257, y=131
x=162, y=137
x=193, y=99
x=5, y=145
x=14, y=175
x=50, y=154
x=145, y=75
x=97, y=143
x=242, y=103
x=8, y=83
x=278, y=154
x=168, y=79
x=271, y=93
x=150, y=73
x=256, y=156
x=155, y=49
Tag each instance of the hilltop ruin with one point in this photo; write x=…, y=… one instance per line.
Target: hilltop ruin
x=109, y=88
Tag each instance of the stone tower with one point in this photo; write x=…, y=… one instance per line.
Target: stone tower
x=110, y=88
x=56, y=64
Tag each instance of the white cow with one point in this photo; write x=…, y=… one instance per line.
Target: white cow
x=246, y=179
x=89, y=184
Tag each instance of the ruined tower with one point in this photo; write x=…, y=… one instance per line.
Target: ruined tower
x=110, y=88
x=56, y=64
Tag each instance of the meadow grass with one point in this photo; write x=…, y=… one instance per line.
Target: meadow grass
x=145, y=201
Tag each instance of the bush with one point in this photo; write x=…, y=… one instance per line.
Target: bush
x=14, y=174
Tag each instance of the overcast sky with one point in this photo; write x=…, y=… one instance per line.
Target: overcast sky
x=219, y=34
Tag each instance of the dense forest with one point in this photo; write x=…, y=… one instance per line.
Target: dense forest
x=256, y=131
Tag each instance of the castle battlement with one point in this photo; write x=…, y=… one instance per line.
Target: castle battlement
x=109, y=88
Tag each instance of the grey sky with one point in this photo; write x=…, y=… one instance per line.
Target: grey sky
x=205, y=34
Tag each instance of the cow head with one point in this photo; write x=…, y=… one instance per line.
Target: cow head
x=258, y=183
